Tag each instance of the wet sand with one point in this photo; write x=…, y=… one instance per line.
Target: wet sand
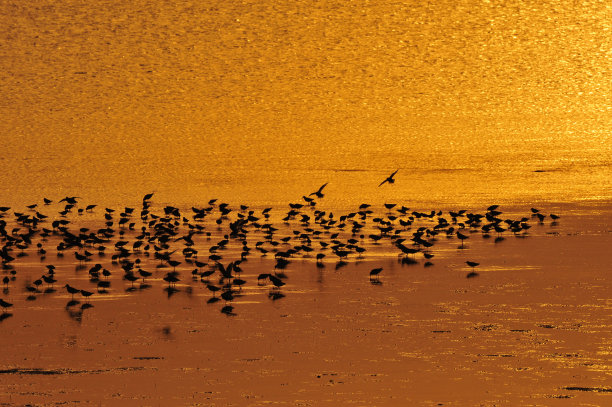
x=533, y=328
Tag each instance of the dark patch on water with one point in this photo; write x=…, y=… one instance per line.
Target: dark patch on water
x=348, y=170
x=591, y=389
x=275, y=295
x=489, y=327
x=50, y=372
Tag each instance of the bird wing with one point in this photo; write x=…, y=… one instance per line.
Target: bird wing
x=392, y=175
x=319, y=190
x=386, y=180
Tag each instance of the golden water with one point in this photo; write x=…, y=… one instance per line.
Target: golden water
x=262, y=101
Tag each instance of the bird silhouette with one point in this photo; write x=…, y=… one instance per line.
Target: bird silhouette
x=472, y=273
x=277, y=282
x=389, y=179
x=375, y=272
x=462, y=237
x=319, y=192
x=5, y=305
x=86, y=294
x=72, y=290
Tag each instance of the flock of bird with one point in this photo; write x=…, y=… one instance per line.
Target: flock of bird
x=211, y=243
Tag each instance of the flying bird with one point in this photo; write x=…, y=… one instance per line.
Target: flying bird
x=319, y=192
x=389, y=179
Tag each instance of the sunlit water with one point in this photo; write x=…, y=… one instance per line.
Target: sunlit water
x=261, y=102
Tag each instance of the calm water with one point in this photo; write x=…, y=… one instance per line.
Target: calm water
x=262, y=102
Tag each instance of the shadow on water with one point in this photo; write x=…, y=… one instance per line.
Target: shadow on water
x=275, y=295
x=408, y=261
x=228, y=310
x=75, y=314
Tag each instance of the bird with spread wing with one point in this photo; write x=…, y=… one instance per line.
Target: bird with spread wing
x=389, y=179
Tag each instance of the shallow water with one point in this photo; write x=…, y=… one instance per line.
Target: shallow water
x=533, y=327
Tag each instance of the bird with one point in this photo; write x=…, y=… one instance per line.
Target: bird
x=319, y=193
x=71, y=290
x=375, y=272
x=227, y=295
x=406, y=250
x=389, y=179
x=462, y=237
x=277, y=282
x=472, y=273
x=86, y=294
x=49, y=280
x=132, y=278
x=212, y=288
x=144, y=274
x=5, y=305
x=171, y=278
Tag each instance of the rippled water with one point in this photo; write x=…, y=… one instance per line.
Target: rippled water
x=262, y=101
x=475, y=102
